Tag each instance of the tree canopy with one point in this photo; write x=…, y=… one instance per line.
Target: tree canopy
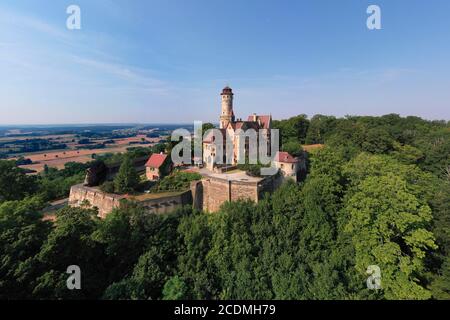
x=377, y=194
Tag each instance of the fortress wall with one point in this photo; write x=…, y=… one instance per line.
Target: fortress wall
x=210, y=193
x=215, y=193
x=197, y=194
x=167, y=204
x=218, y=191
x=107, y=202
x=241, y=190
x=96, y=198
x=269, y=185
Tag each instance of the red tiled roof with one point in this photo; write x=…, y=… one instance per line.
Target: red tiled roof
x=285, y=157
x=156, y=160
x=265, y=120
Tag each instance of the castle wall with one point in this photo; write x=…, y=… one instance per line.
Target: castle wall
x=105, y=202
x=167, y=204
x=197, y=194
x=243, y=190
x=217, y=191
x=80, y=194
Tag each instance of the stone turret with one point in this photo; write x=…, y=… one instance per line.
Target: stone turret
x=227, y=114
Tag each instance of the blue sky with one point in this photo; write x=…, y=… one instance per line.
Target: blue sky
x=167, y=60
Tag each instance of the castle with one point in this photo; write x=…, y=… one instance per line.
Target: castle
x=220, y=183
x=233, y=131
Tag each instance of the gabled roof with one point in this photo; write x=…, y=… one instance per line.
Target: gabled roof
x=285, y=157
x=265, y=120
x=244, y=125
x=156, y=160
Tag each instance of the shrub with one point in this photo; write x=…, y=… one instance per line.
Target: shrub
x=176, y=182
x=107, y=187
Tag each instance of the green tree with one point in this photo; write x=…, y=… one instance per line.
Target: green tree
x=407, y=154
x=71, y=243
x=436, y=149
x=196, y=273
x=377, y=140
x=174, y=289
x=440, y=261
x=177, y=181
x=440, y=287
x=327, y=161
x=22, y=233
x=293, y=129
x=293, y=148
x=319, y=128
x=127, y=178
x=154, y=245
x=14, y=183
x=149, y=275
x=389, y=228
x=233, y=254
x=207, y=126
x=107, y=187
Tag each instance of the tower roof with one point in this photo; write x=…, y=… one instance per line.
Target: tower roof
x=227, y=91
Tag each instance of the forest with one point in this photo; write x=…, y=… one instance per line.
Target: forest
x=377, y=193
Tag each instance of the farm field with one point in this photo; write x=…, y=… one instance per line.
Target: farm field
x=57, y=159
x=61, y=137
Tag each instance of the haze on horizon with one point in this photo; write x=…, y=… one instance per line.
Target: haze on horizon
x=167, y=61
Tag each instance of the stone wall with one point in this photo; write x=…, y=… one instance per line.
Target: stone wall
x=240, y=190
x=215, y=193
x=92, y=197
x=208, y=194
x=197, y=194
x=105, y=203
x=211, y=192
x=167, y=204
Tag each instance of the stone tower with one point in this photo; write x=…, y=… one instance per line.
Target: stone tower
x=227, y=114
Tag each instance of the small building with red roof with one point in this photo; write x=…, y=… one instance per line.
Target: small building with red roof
x=288, y=165
x=157, y=166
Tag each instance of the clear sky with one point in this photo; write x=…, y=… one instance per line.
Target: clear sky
x=167, y=60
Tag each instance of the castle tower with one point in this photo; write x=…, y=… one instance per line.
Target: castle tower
x=227, y=114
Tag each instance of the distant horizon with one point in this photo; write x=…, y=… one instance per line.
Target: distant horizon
x=87, y=124
x=51, y=125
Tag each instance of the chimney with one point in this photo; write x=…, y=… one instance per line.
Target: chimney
x=254, y=117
